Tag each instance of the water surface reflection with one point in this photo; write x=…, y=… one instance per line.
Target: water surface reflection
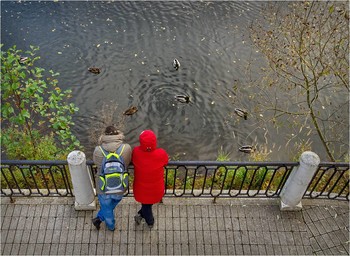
x=134, y=44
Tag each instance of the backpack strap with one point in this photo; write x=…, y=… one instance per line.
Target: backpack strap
x=121, y=149
x=104, y=152
x=117, y=154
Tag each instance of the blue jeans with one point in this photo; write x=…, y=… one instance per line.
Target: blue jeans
x=106, y=212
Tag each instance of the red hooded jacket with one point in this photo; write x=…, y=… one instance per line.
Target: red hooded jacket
x=149, y=162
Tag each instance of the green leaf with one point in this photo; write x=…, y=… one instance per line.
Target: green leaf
x=22, y=75
x=25, y=113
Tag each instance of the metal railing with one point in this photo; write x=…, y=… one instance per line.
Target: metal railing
x=183, y=179
x=226, y=179
x=35, y=178
x=331, y=181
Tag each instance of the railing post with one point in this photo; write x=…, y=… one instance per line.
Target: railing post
x=82, y=183
x=298, y=181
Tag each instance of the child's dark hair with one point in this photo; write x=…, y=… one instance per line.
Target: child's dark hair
x=111, y=130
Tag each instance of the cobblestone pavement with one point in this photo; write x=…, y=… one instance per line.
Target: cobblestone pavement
x=52, y=226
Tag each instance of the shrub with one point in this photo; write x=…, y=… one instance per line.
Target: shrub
x=35, y=114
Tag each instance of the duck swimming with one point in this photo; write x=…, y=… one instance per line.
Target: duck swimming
x=241, y=113
x=247, y=149
x=130, y=111
x=182, y=98
x=94, y=70
x=22, y=60
x=176, y=64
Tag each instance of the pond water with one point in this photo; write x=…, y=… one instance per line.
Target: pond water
x=134, y=44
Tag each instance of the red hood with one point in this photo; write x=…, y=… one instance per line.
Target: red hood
x=148, y=140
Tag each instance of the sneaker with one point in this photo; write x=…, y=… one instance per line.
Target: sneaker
x=97, y=222
x=151, y=225
x=138, y=219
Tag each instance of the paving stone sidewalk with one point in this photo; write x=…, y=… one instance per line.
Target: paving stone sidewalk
x=51, y=226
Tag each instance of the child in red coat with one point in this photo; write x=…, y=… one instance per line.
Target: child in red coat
x=149, y=162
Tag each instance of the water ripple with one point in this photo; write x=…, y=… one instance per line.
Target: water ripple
x=134, y=44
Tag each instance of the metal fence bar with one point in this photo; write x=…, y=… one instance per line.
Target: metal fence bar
x=331, y=181
x=35, y=178
x=226, y=179
x=183, y=179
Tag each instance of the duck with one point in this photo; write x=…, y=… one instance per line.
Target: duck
x=130, y=111
x=176, y=64
x=247, y=149
x=241, y=113
x=23, y=60
x=182, y=98
x=94, y=70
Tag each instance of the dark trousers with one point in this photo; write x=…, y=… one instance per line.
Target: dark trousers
x=146, y=213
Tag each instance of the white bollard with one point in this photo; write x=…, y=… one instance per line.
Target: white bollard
x=82, y=183
x=298, y=181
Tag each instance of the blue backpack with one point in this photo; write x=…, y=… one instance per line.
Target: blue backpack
x=114, y=179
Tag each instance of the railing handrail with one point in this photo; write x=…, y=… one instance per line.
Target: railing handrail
x=182, y=162
x=35, y=162
x=188, y=163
